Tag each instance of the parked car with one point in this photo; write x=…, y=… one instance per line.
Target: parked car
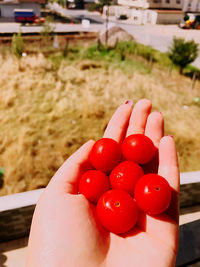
x=27, y=16
x=190, y=21
x=121, y=16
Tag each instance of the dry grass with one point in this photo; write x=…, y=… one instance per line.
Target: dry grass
x=46, y=113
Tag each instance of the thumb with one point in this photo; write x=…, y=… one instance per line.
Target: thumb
x=67, y=177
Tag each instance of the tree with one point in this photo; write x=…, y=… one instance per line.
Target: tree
x=183, y=52
x=79, y=4
x=107, y=4
x=98, y=5
x=48, y=28
x=17, y=45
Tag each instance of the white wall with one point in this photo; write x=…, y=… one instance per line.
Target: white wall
x=171, y=4
x=185, y=5
x=164, y=18
x=191, y=6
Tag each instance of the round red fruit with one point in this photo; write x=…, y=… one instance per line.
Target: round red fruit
x=105, y=154
x=138, y=148
x=93, y=184
x=117, y=211
x=125, y=175
x=152, y=194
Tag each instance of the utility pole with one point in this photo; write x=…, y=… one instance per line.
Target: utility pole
x=107, y=14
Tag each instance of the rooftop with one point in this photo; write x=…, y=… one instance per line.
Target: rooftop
x=8, y=2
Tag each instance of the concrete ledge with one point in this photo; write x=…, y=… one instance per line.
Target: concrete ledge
x=15, y=223
x=16, y=210
x=190, y=188
x=189, y=194
x=190, y=177
x=19, y=200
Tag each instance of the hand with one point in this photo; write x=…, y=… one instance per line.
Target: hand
x=65, y=230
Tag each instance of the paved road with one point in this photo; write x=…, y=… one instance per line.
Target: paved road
x=158, y=36
x=58, y=27
x=94, y=17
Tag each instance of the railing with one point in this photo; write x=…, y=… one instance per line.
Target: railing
x=16, y=210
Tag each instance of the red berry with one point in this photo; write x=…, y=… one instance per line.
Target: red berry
x=138, y=148
x=152, y=194
x=105, y=154
x=125, y=175
x=93, y=184
x=117, y=211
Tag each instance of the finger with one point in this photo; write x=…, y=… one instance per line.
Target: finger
x=67, y=177
x=138, y=117
x=154, y=130
x=155, y=127
x=118, y=124
x=168, y=162
x=169, y=169
x=165, y=226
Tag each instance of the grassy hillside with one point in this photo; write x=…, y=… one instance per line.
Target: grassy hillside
x=51, y=105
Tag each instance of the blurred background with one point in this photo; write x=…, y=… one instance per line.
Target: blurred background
x=65, y=66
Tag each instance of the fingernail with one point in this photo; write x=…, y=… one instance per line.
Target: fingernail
x=129, y=102
x=170, y=135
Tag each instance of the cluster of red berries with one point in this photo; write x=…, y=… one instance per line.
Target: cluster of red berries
x=118, y=185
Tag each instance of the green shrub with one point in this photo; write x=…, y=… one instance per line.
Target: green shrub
x=183, y=52
x=127, y=47
x=146, y=52
x=17, y=45
x=95, y=7
x=190, y=71
x=48, y=28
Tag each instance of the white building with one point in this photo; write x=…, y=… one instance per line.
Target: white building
x=143, y=4
x=184, y=5
x=136, y=11
x=166, y=4
x=156, y=11
x=191, y=6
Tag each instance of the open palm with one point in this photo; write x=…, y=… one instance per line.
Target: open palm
x=65, y=230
